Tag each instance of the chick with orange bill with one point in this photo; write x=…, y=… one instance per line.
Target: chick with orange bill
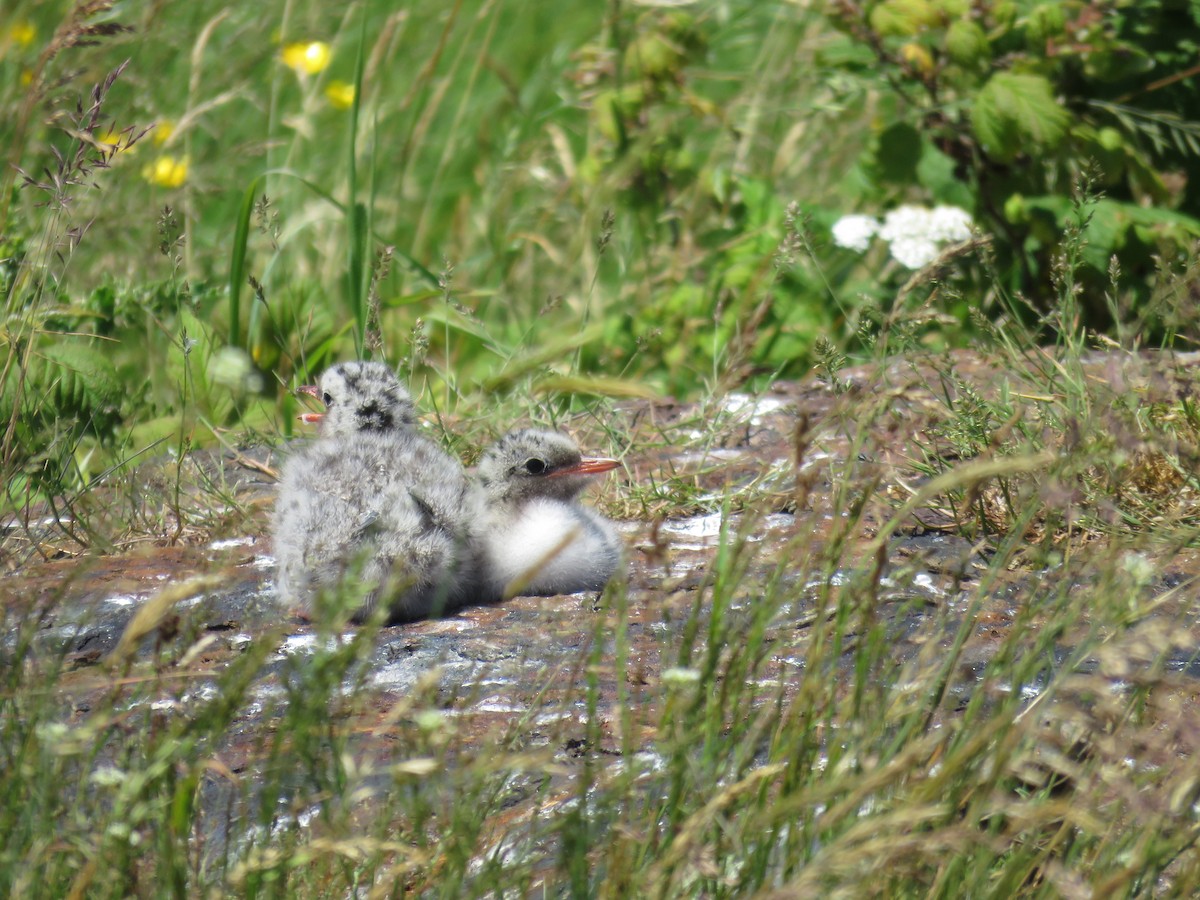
x=537, y=538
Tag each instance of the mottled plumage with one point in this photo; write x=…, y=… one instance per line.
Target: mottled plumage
x=373, y=509
x=536, y=537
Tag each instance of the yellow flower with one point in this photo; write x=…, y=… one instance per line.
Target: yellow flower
x=110, y=140
x=340, y=94
x=26, y=77
x=163, y=129
x=167, y=171
x=307, y=58
x=22, y=34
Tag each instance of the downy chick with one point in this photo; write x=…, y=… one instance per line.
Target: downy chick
x=537, y=538
x=373, y=507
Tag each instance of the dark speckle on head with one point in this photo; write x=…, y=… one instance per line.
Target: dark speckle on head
x=372, y=416
x=364, y=397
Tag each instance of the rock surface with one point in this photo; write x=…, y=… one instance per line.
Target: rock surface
x=773, y=478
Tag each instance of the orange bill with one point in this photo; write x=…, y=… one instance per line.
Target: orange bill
x=310, y=418
x=589, y=465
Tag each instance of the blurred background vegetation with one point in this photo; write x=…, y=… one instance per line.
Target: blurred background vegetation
x=205, y=203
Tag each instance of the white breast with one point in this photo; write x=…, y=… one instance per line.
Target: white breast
x=550, y=547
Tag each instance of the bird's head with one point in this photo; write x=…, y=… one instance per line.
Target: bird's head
x=360, y=397
x=530, y=463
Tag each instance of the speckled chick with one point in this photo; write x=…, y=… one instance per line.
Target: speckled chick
x=537, y=538
x=373, y=509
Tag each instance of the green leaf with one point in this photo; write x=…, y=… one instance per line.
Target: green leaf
x=843, y=52
x=237, y=259
x=1015, y=113
x=967, y=44
x=903, y=18
x=153, y=432
x=553, y=350
x=897, y=154
x=83, y=377
x=66, y=379
x=594, y=384
x=939, y=173
x=1113, y=220
x=1045, y=23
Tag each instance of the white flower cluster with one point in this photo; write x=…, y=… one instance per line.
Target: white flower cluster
x=914, y=234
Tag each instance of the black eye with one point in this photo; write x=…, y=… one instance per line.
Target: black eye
x=326, y=399
x=535, y=466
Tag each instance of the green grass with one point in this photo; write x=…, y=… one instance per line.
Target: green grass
x=471, y=151
x=498, y=215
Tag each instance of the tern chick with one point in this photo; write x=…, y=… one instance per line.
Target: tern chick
x=538, y=539
x=373, y=508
